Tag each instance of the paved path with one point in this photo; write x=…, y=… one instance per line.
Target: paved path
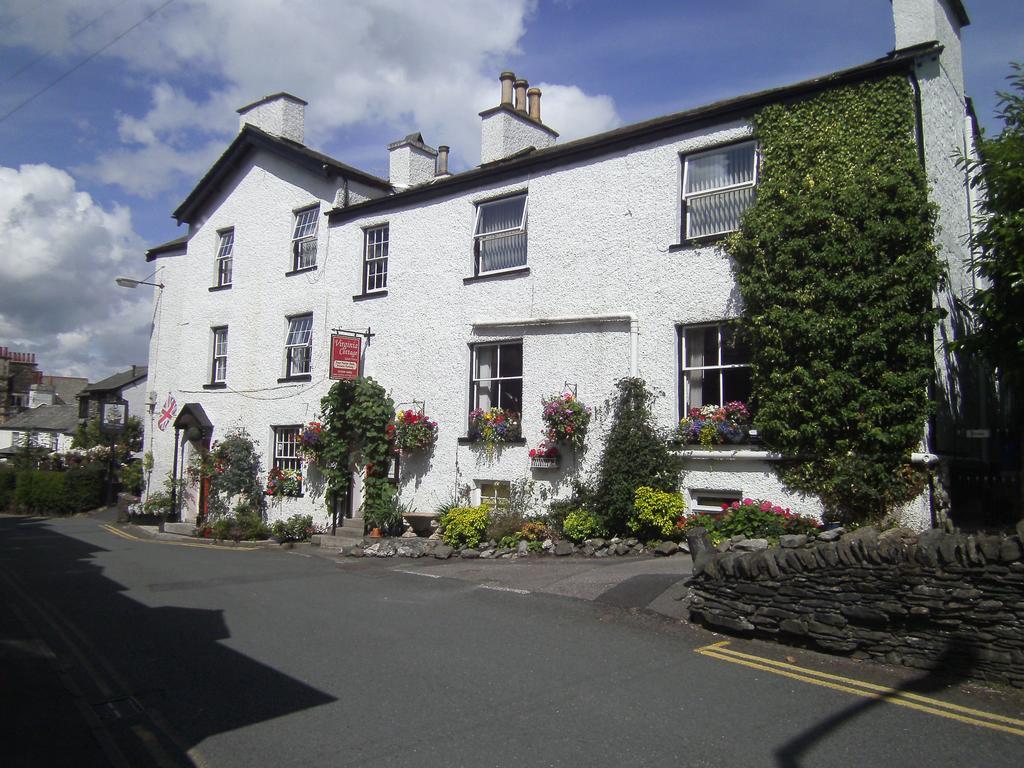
x=184, y=653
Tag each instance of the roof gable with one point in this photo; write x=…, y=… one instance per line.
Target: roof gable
x=251, y=138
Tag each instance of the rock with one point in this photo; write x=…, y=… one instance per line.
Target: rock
x=724, y=546
x=737, y=538
x=831, y=534
x=1009, y=551
x=698, y=541
x=615, y=540
x=631, y=542
x=502, y=551
x=523, y=548
x=487, y=554
x=435, y=536
x=355, y=551
x=443, y=552
x=595, y=543
x=470, y=554
x=548, y=544
x=564, y=548
x=621, y=548
x=751, y=545
x=588, y=550
x=736, y=624
x=409, y=534
x=1020, y=529
x=792, y=541
x=666, y=548
x=601, y=553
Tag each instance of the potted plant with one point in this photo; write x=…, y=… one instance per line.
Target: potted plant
x=412, y=431
x=709, y=425
x=493, y=427
x=544, y=456
x=565, y=420
x=310, y=443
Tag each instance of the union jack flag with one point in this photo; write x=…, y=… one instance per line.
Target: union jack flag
x=167, y=413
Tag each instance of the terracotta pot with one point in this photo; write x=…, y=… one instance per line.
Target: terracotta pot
x=375, y=533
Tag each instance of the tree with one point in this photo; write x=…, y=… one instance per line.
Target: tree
x=998, y=305
x=634, y=455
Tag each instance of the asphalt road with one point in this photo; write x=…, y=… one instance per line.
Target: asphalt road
x=116, y=651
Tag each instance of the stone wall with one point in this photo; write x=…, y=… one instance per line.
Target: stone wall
x=933, y=600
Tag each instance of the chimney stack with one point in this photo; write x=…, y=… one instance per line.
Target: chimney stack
x=442, y=161
x=279, y=114
x=508, y=128
x=411, y=162
x=40, y=394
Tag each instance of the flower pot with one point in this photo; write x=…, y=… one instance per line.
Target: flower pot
x=544, y=462
x=375, y=533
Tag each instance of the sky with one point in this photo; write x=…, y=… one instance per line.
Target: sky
x=111, y=110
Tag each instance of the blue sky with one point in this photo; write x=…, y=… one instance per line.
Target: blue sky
x=121, y=119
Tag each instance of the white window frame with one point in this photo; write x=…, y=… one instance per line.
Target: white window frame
x=684, y=383
x=304, y=233
x=708, y=507
x=225, y=261
x=479, y=237
x=496, y=379
x=219, y=361
x=495, y=498
x=686, y=198
x=291, y=350
x=377, y=281
x=285, y=453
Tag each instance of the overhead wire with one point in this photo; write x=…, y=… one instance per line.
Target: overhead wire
x=84, y=61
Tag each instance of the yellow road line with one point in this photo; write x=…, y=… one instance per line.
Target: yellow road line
x=197, y=545
x=867, y=690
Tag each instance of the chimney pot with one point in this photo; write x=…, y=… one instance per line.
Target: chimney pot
x=442, y=160
x=507, y=78
x=521, y=86
x=533, y=95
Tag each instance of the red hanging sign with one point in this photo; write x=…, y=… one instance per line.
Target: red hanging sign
x=346, y=352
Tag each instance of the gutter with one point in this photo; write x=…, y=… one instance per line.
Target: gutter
x=614, y=317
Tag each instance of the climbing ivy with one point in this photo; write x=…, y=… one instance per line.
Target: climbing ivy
x=836, y=267
x=355, y=419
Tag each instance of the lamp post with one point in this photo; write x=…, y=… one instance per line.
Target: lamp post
x=127, y=282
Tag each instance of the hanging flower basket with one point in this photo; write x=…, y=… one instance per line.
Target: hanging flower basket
x=284, y=482
x=565, y=420
x=412, y=431
x=493, y=427
x=310, y=444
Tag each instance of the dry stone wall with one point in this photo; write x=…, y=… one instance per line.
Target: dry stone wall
x=932, y=600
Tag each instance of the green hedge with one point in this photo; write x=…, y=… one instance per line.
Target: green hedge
x=8, y=480
x=43, y=492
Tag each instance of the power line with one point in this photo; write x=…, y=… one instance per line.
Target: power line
x=73, y=35
x=84, y=61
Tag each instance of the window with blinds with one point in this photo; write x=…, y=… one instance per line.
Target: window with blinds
x=500, y=234
x=718, y=186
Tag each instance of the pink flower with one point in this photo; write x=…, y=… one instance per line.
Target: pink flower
x=747, y=502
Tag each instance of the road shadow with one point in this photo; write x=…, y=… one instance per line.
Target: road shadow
x=165, y=668
x=953, y=666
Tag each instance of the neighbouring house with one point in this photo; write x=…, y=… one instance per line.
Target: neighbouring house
x=18, y=373
x=546, y=267
x=128, y=385
x=49, y=427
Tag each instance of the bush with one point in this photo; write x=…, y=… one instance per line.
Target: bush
x=634, y=455
x=84, y=487
x=8, y=482
x=464, y=526
x=245, y=526
x=295, y=528
x=655, y=513
x=755, y=519
x=581, y=523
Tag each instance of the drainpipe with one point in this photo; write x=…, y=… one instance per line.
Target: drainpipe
x=634, y=329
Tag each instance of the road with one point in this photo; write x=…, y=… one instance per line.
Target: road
x=123, y=651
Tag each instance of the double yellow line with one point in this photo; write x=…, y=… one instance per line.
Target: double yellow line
x=931, y=706
x=131, y=537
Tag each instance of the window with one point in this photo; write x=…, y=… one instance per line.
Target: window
x=304, y=238
x=286, y=455
x=710, y=502
x=299, y=345
x=494, y=493
x=498, y=376
x=219, y=369
x=715, y=366
x=224, y=257
x=718, y=186
x=375, y=259
x=500, y=234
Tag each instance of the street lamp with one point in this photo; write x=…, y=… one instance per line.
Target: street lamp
x=127, y=282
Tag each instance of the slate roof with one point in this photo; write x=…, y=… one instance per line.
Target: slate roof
x=66, y=387
x=171, y=246
x=44, y=418
x=118, y=380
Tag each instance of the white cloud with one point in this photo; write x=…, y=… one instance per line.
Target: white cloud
x=62, y=252
x=391, y=64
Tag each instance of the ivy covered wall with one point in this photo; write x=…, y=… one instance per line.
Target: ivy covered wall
x=837, y=269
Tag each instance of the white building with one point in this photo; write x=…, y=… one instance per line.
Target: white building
x=590, y=279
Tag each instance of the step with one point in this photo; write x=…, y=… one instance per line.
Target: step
x=182, y=529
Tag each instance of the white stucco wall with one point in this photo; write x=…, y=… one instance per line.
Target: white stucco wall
x=602, y=236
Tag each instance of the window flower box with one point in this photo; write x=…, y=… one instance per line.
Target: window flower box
x=544, y=456
x=493, y=427
x=711, y=425
x=284, y=482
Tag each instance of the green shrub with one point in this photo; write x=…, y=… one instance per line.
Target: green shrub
x=246, y=526
x=84, y=487
x=755, y=519
x=634, y=455
x=655, y=513
x=8, y=482
x=295, y=528
x=581, y=523
x=39, y=492
x=464, y=526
